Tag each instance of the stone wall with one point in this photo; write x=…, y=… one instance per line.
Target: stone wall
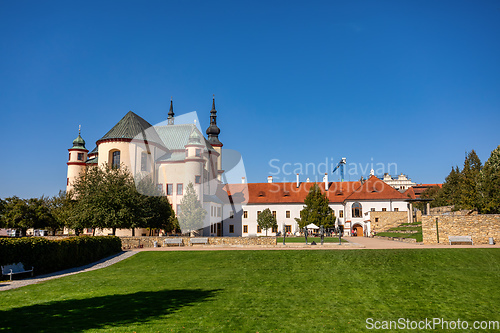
x=387, y=220
x=138, y=242
x=480, y=227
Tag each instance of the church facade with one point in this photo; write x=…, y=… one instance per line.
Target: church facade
x=174, y=155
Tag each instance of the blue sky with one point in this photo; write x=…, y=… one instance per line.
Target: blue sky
x=412, y=83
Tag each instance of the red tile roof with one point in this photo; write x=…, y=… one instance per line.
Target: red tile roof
x=338, y=192
x=376, y=189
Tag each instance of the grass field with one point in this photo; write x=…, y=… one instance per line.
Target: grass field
x=261, y=291
x=279, y=240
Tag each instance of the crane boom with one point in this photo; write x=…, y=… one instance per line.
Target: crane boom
x=340, y=165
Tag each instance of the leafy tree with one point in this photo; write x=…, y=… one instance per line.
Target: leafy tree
x=2, y=208
x=489, y=184
x=191, y=213
x=156, y=210
x=469, y=178
x=61, y=208
x=316, y=210
x=106, y=198
x=266, y=220
x=16, y=215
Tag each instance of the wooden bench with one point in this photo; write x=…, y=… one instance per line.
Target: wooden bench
x=460, y=239
x=15, y=269
x=199, y=240
x=173, y=241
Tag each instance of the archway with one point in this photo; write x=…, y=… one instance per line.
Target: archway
x=359, y=230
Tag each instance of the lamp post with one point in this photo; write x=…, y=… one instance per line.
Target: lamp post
x=284, y=233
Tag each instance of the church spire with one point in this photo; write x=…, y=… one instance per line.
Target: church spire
x=213, y=131
x=171, y=113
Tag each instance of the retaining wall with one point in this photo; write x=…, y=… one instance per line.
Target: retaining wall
x=480, y=227
x=137, y=242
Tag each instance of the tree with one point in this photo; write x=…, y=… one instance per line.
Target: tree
x=469, y=178
x=156, y=211
x=61, y=208
x=191, y=213
x=489, y=184
x=2, y=208
x=316, y=210
x=106, y=198
x=16, y=215
x=266, y=220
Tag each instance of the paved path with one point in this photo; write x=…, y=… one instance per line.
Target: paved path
x=353, y=244
x=41, y=278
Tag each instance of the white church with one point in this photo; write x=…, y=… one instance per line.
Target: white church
x=177, y=154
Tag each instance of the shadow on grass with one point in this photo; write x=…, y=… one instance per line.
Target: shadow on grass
x=92, y=313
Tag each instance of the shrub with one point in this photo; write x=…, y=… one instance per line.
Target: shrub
x=53, y=255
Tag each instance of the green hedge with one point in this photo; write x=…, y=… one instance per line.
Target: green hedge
x=54, y=255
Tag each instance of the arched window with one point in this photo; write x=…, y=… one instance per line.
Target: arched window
x=357, y=211
x=115, y=161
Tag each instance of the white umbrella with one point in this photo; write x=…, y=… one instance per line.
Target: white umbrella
x=312, y=226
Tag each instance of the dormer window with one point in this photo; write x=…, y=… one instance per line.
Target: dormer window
x=262, y=194
x=286, y=194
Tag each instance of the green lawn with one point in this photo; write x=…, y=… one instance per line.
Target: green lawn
x=261, y=291
x=279, y=240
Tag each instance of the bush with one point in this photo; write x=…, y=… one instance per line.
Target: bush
x=53, y=255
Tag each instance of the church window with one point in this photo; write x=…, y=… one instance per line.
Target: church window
x=144, y=161
x=288, y=228
x=69, y=157
x=384, y=209
x=198, y=152
x=179, y=189
x=274, y=213
x=80, y=156
x=275, y=229
x=245, y=213
x=219, y=212
x=287, y=214
x=341, y=213
x=231, y=228
x=245, y=229
x=159, y=187
x=396, y=209
x=197, y=179
x=258, y=213
x=373, y=209
x=115, y=162
x=259, y=230
x=170, y=189
x=357, y=210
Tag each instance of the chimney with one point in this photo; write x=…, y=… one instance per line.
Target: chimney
x=269, y=179
x=326, y=181
x=243, y=180
x=298, y=181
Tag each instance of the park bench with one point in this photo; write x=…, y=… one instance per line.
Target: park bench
x=199, y=240
x=173, y=241
x=15, y=269
x=460, y=239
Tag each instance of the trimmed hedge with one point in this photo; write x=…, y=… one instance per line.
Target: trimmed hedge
x=53, y=255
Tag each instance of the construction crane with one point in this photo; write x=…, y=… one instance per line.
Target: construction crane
x=341, y=166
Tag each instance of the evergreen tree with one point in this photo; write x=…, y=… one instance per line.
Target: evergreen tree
x=191, y=213
x=316, y=210
x=266, y=220
x=489, y=184
x=469, y=179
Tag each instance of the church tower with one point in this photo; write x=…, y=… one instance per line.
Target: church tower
x=76, y=161
x=170, y=117
x=213, y=138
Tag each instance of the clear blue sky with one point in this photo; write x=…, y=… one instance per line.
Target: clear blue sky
x=412, y=83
